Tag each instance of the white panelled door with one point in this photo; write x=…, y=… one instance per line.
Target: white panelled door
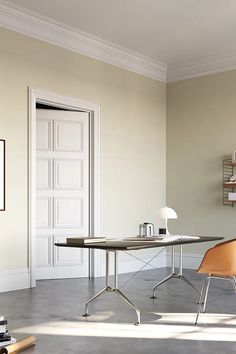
x=62, y=180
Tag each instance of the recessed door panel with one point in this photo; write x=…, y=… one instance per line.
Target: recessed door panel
x=69, y=136
x=68, y=174
x=67, y=256
x=43, y=251
x=44, y=212
x=68, y=212
x=44, y=173
x=43, y=134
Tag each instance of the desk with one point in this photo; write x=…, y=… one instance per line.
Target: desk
x=114, y=246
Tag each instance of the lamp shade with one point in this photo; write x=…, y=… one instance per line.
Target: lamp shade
x=166, y=213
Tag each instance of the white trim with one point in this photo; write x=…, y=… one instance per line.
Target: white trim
x=59, y=272
x=42, y=96
x=190, y=260
x=21, y=20
x=206, y=66
x=14, y=279
x=31, y=24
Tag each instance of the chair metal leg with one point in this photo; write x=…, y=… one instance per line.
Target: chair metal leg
x=205, y=289
x=206, y=295
x=200, y=299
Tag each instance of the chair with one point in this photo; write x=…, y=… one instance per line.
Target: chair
x=219, y=262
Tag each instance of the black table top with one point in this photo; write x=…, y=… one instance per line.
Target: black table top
x=124, y=245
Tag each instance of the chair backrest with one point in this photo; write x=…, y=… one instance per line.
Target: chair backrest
x=220, y=259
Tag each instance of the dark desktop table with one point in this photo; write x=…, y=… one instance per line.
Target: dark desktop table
x=114, y=246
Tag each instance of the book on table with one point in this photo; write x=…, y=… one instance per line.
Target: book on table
x=84, y=240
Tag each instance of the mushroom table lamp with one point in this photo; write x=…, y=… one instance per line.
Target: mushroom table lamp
x=166, y=213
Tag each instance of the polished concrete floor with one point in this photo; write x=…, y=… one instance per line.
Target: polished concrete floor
x=52, y=312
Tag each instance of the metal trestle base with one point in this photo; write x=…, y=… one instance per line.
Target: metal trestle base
x=173, y=274
x=114, y=289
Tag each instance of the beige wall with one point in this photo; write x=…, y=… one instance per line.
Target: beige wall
x=201, y=130
x=132, y=135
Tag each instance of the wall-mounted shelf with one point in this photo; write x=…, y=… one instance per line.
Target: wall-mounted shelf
x=229, y=168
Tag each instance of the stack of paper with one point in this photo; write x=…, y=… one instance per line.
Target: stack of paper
x=170, y=238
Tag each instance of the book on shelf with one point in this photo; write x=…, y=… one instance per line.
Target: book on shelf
x=84, y=240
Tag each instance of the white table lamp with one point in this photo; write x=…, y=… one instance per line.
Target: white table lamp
x=166, y=213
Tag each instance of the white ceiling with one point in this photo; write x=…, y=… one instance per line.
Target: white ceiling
x=171, y=32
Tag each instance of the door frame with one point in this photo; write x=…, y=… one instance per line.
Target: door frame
x=56, y=100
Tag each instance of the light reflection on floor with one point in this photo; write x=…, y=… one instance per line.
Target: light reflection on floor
x=212, y=327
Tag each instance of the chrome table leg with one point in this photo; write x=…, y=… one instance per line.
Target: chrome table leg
x=173, y=274
x=187, y=281
x=86, y=314
x=160, y=283
x=115, y=289
x=180, y=274
x=131, y=304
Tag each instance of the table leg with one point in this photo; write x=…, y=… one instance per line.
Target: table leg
x=180, y=274
x=115, y=289
x=173, y=274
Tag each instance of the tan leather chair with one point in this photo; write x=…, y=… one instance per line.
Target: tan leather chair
x=219, y=262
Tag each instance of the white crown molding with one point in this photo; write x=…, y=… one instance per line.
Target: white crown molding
x=43, y=28
x=206, y=66
x=20, y=20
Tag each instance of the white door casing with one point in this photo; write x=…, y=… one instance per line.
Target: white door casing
x=46, y=179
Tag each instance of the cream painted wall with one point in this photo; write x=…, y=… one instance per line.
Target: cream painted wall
x=132, y=135
x=201, y=126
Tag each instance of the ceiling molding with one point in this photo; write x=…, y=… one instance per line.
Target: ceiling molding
x=20, y=20
x=206, y=66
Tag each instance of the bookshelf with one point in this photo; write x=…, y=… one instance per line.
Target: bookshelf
x=229, y=169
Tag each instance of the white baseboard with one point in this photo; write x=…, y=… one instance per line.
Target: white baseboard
x=59, y=272
x=128, y=264
x=20, y=279
x=190, y=260
x=14, y=279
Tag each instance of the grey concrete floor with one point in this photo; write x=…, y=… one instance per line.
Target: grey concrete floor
x=52, y=312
